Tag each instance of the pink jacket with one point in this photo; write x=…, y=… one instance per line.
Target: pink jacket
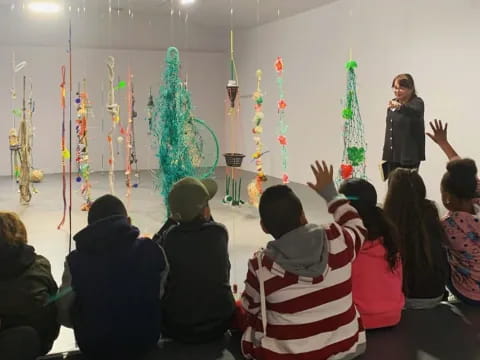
x=377, y=290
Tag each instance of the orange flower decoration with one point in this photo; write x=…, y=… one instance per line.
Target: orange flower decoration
x=279, y=64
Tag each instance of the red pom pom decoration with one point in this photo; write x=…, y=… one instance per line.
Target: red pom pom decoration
x=282, y=140
x=346, y=171
x=282, y=104
x=279, y=64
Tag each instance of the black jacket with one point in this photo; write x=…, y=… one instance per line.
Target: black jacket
x=116, y=278
x=405, y=134
x=198, y=304
x=26, y=284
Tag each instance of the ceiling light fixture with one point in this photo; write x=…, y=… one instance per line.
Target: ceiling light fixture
x=187, y=2
x=45, y=7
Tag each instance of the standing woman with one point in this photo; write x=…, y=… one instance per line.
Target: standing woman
x=404, y=144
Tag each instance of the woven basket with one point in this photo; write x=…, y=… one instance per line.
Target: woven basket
x=234, y=159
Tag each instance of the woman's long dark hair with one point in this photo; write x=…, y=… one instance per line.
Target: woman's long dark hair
x=363, y=197
x=417, y=221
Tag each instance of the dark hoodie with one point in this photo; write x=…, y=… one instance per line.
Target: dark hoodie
x=26, y=282
x=116, y=280
x=198, y=304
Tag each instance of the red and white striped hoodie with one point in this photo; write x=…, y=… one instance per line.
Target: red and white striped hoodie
x=308, y=290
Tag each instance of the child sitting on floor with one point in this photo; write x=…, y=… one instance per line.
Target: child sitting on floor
x=298, y=291
x=377, y=270
x=198, y=305
x=422, y=239
x=460, y=195
x=116, y=280
x=26, y=286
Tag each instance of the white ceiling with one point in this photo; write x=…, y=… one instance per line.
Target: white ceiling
x=249, y=13
x=207, y=13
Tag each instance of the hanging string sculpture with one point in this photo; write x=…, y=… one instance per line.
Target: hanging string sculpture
x=203, y=147
x=16, y=68
x=84, y=109
x=25, y=135
x=14, y=153
x=131, y=159
x=354, y=151
x=34, y=174
x=114, y=110
x=127, y=134
x=150, y=111
x=13, y=140
x=233, y=184
x=255, y=187
x=182, y=148
x=65, y=154
x=283, y=127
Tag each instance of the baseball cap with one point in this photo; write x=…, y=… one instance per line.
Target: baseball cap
x=189, y=196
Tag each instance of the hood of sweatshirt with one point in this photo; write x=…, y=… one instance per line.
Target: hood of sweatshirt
x=15, y=259
x=106, y=234
x=303, y=251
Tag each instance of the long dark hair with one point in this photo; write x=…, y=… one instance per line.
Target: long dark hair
x=406, y=81
x=363, y=197
x=417, y=221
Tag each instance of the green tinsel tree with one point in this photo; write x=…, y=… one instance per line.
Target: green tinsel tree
x=171, y=114
x=354, y=150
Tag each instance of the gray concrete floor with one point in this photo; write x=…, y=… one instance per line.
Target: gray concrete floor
x=147, y=211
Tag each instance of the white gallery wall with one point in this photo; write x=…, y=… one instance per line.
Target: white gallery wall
x=437, y=41
x=139, y=42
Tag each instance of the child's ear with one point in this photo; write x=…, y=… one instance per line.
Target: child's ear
x=303, y=219
x=265, y=230
x=207, y=214
x=129, y=220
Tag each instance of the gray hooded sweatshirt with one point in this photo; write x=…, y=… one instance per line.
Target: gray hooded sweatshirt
x=304, y=250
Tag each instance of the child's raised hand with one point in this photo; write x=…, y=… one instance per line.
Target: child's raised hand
x=439, y=135
x=323, y=176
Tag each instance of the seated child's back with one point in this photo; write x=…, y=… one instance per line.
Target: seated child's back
x=298, y=291
x=377, y=270
x=26, y=284
x=198, y=305
x=422, y=239
x=115, y=276
x=460, y=189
